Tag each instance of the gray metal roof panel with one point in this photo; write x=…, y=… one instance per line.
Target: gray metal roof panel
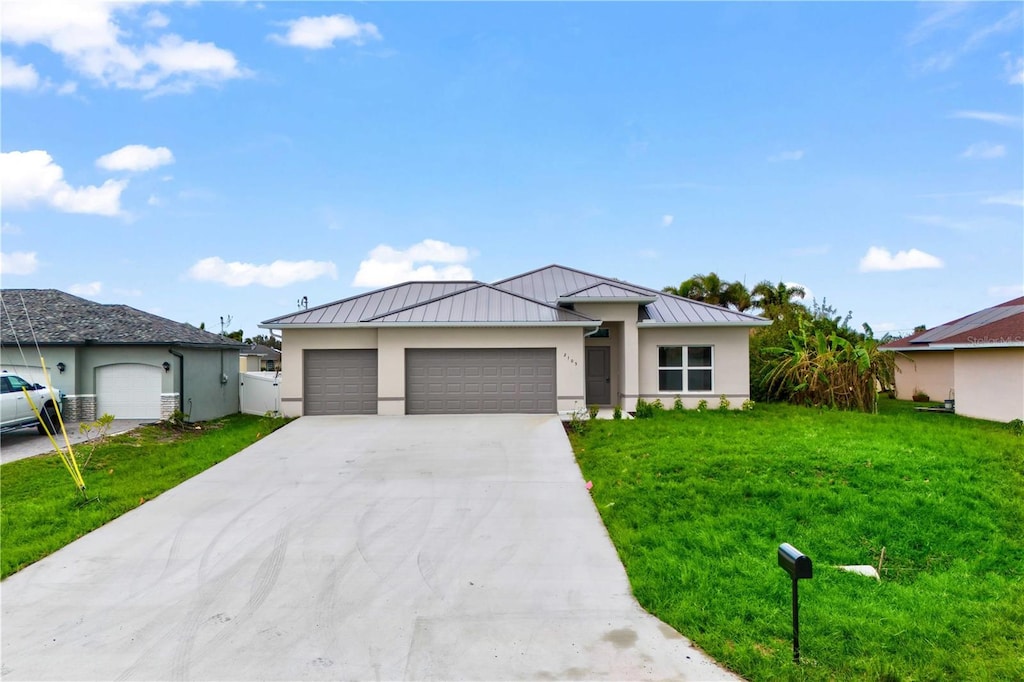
x=606, y=290
x=478, y=305
x=371, y=304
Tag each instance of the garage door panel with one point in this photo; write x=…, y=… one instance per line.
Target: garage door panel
x=340, y=382
x=480, y=381
x=128, y=391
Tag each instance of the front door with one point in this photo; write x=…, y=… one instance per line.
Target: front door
x=599, y=375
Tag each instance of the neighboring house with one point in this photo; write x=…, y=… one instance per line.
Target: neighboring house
x=116, y=359
x=978, y=360
x=256, y=357
x=550, y=340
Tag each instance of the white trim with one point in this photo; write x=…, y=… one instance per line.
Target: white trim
x=955, y=346
x=737, y=323
x=607, y=299
x=436, y=325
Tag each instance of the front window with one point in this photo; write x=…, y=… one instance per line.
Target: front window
x=685, y=369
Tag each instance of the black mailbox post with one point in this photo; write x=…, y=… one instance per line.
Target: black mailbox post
x=798, y=565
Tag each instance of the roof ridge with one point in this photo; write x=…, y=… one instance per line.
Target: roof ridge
x=376, y=291
x=611, y=283
x=478, y=286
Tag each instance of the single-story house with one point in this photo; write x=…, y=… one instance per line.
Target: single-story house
x=256, y=357
x=977, y=360
x=115, y=359
x=552, y=340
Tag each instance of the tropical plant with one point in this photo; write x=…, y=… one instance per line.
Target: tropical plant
x=775, y=301
x=824, y=368
x=711, y=288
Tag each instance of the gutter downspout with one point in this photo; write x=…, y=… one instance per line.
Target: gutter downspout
x=181, y=379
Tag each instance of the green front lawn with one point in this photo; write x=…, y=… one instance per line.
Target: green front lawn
x=41, y=510
x=698, y=503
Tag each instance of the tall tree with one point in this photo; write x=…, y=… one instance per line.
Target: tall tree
x=711, y=288
x=775, y=300
x=265, y=340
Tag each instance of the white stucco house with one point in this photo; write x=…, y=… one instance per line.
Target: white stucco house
x=547, y=341
x=978, y=360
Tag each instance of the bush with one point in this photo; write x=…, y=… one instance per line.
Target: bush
x=702, y=406
x=644, y=409
x=617, y=413
x=723, y=403
x=678, y=405
x=592, y=411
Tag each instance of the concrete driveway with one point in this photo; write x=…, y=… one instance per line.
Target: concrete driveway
x=352, y=548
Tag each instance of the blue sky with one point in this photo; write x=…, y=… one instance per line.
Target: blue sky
x=200, y=160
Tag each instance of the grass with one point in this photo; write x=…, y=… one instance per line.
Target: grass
x=697, y=504
x=41, y=510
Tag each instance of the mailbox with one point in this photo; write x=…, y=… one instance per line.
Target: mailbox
x=795, y=562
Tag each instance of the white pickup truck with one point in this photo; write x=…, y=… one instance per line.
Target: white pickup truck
x=15, y=411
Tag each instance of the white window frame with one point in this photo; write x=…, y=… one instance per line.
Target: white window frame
x=685, y=369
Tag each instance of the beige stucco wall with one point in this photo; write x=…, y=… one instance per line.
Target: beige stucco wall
x=930, y=371
x=730, y=359
x=391, y=344
x=625, y=347
x=989, y=383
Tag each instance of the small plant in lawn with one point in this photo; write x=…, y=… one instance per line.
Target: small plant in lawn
x=617, y=413
x=101, y=427
x=748, y=405
x=643, y=410
x=657, y=405
x=592, y=411
x=702, y=405
x=1016, y=427
x=920, y=396
x=678, y=404
x=723, y=403
x=577, y=424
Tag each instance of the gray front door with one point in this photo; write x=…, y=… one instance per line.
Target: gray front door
x=339, y=382
x=480, y=381
x=599, y=375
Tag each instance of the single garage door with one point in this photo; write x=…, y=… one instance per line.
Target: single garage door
x=339, y=382
x=475, y=381
x=128, y=391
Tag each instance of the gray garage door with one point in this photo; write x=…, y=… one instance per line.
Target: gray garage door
x=339, y=382
x=474, y=381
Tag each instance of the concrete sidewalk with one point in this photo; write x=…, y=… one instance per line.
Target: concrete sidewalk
x=434, y=548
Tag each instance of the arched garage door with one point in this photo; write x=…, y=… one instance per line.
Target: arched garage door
x=128, y=391
x=480, y=381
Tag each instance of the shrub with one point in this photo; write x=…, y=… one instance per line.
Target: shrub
x=723, y=402
x=592, y=411
x=748, y=405
x=617, y=413
x=702, y=406
x=678, y=405
x=1016, y=427
x=644, y=409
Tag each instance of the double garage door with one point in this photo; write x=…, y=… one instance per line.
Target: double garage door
x=437, y=381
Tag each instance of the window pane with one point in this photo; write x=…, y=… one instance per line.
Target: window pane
x=699, y=379
x=698, y=356
x=670, y=380
x=670, y=356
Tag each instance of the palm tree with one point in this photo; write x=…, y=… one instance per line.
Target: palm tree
x=775, y=300
x=710, y=288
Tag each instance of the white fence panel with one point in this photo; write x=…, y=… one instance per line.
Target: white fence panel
x=259, y=392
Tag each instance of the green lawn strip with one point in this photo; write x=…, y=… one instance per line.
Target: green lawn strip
x=41, y=511
x=697, y=505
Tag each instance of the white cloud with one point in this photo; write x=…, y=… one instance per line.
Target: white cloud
x=667, y=220
x=318, y=33
x=1014, y=198
x=1006, y=291
x=935, y=21
x=89, y=36
x=280, y=273
x=10, y=228
x=153, y=200
x=17, y=76
x=878, y=259
x=87, y=289
x=984, y=150
x=27, y=178
x=156, y=19
x=18, y=263
x=136, y=157
x=962, y=33
x=792, y=155
x=386, y=265
x=988, y=117
x=69, y=88
x=1014, y=69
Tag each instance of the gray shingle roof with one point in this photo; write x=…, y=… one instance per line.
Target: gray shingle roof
x=58, y=318
x=530, y=298
x=260, y=350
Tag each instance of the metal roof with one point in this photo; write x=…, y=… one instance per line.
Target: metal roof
x=483, y=304
x=1000, y=325
x=371, y=304
x=530, y=298
x=604, y=291
x=52, y=317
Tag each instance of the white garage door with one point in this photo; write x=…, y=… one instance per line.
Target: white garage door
x=480, y=381
x=128, y=391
